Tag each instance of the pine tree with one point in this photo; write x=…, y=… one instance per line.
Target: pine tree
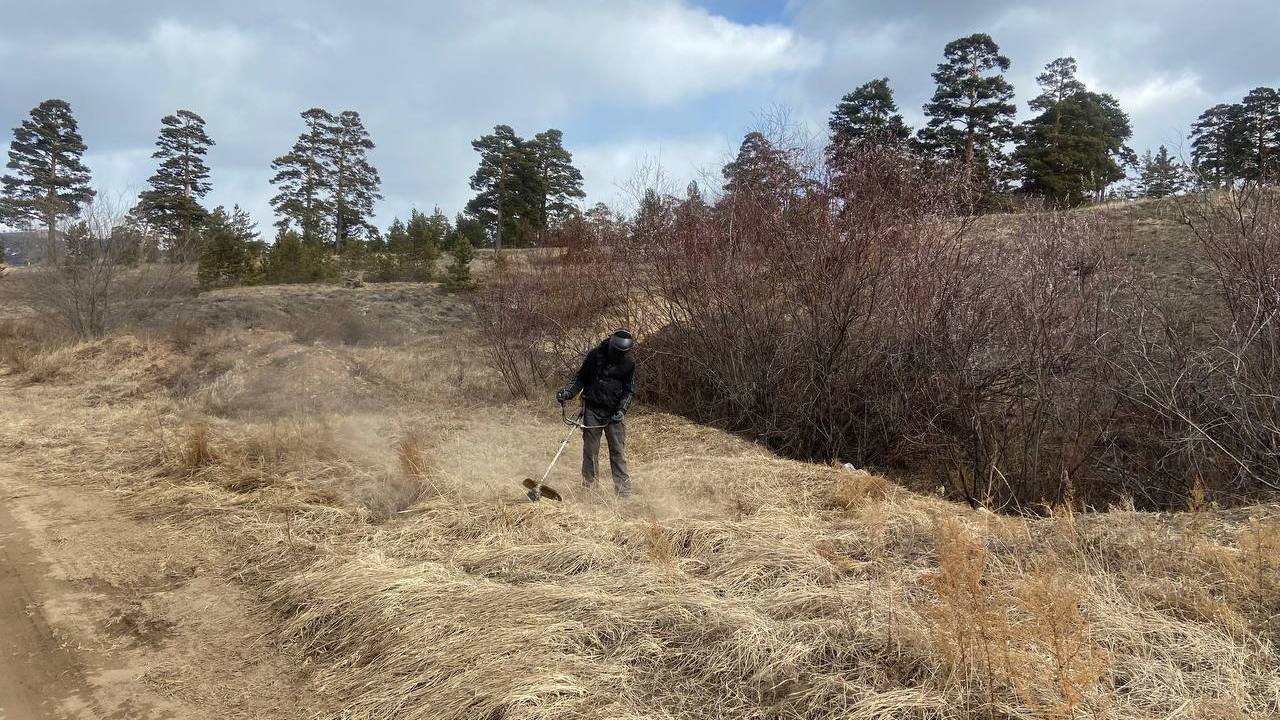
x=655, y=215
x=1219, y=154
x=760, y=170
x=50, y=183
x=693, y=210
x=508, y=188
x=226, y=257
x=868, y=114
x=971, y=113
x=398, y=238
x=1160, y=175
x=305, y=180
x=440, y=231
x=1076, y=147
x=354, y=181
x=425, y=238
x=285, y=258
x=1057, y=83
x=172, y=203
x=377, y=243
x=560, y=182
x=293, y=259
x=469, y=227
x=459, y=275
x=1259, y=132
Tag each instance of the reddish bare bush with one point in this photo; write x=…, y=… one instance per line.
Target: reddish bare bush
x=535, y=321
x=866, y=319
x=1202, y=374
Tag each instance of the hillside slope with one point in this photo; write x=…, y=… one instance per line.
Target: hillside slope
x=358, y=464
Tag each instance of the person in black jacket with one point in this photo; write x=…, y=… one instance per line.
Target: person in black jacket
x=607, y=381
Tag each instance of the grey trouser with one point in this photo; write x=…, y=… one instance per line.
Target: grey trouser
x=616, y=435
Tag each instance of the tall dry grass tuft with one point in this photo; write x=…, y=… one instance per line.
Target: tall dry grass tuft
x=1061, y=667
x=858, y=488
x=969, y=623
x=1259, y=543
x=659, y=542
x=196, y=452
x=419, y=478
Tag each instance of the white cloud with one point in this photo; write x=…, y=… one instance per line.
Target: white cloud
x=119, y=171
x=614, y=172
x=427, y=78
x=670, y=52
x=629, y=82
x=1159, y=91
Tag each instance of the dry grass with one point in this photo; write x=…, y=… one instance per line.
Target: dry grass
x=736, y=584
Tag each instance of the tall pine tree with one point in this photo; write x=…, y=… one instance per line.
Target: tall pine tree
x=49, y=182
x=971, y=113
x=354, y=182
x=1076, y=147
x=1057, y=83
x=1218, y=152
x=305, y=180
x=868, y=114
x=760, y=170
x=1259, y=132
x=508, y=188
x=172, y=203
x=561, y=182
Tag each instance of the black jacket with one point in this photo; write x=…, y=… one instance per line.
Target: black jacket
x=607, y=380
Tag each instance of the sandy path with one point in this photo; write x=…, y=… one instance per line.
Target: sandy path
x=36, y=672
x=105, y=615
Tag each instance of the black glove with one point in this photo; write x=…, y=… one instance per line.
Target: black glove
x=562, y=396
x=617, y=417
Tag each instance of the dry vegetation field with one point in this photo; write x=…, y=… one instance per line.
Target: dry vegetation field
x=345, y=457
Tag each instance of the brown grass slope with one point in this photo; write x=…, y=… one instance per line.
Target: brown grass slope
x=736, y=585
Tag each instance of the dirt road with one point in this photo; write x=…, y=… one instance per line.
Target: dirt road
x=36, y=672
x=106, y=616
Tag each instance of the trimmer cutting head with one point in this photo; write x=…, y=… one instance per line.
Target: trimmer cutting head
x=536, y=491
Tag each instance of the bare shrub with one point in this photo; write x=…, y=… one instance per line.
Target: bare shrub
x=1201, y=374
x=867, y=316
x=535, y=322
x=1009, y=332
x=93, y=275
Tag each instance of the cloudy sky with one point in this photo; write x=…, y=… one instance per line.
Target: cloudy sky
x=632, y=83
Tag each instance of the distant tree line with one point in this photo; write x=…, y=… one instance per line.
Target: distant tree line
x=1238, y=142
x=1073, y=151
x=523, y=187
x=326, y=192
x=528, y=191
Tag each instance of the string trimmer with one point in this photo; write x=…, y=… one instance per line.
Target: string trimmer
x=538, y=489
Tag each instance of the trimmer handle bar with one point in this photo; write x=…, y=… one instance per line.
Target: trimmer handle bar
x=576, y=421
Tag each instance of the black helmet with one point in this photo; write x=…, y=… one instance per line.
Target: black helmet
x=621, y=341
